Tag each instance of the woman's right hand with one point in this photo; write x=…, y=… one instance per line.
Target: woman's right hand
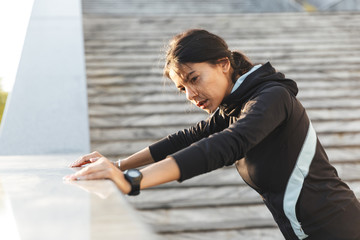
x=89, y=158
x=102, y=168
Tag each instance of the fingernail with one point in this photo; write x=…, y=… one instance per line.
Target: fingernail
x=67, y=177
x=93, y=159
x=70, y=177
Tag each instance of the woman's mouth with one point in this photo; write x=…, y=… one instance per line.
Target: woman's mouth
x=202, y=104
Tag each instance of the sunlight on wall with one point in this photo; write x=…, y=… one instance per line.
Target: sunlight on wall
x=14, y=19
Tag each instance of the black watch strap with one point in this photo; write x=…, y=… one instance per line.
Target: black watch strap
x=133, y=176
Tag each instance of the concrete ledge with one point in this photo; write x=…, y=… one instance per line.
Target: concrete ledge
x=35, y=203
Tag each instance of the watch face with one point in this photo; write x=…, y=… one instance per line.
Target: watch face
x=133, y=173
x=133, y=176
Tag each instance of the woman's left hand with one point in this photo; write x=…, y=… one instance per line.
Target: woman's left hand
x=102, y=169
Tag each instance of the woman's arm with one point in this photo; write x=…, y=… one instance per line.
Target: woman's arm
x=184, y=138
x=156, y=174
x=159, y=173
x=138, y=159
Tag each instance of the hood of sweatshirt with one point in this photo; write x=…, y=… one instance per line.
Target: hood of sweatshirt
x=264, y=77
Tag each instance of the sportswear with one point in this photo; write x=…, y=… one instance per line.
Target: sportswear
x=264, y=129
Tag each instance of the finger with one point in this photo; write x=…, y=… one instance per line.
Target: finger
x=82, y=160
x=91, y=160
x=103, y=174
x=100, y=165
x=101, y=161
x=94, y=159
x=79, y=175
x=120, y=181
x=85, y=159
x=86, y=170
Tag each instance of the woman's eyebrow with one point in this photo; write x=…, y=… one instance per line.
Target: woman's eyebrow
x=189, y=74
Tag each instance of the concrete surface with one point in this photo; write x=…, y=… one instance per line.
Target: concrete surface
x=36, y=204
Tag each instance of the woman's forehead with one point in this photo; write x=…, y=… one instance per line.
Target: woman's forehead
x=180, y=71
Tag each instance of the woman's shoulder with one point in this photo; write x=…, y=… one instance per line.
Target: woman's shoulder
x=275, y=91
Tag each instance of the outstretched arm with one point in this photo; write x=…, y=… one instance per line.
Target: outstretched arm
x=160, y=172
x=138, y=159
x=155, y=174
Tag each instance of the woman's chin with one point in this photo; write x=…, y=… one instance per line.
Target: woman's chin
x=207, y=107
x=209, y=110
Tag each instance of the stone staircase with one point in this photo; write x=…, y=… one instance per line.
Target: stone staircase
x=131, y=105
x=184, y=7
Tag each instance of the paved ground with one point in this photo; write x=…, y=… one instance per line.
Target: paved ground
x=130, y=105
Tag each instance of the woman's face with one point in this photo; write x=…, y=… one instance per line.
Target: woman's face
x=204, y=84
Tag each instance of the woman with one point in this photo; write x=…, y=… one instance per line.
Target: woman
x=257, y=123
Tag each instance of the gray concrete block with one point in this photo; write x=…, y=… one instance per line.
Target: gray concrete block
x=47, y=109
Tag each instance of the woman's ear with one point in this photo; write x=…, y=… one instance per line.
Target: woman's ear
x=224, y=64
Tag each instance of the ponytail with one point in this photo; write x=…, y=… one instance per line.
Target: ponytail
x=240, y=63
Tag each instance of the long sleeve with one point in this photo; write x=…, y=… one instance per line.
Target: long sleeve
x=182, y=139
x=259, y=117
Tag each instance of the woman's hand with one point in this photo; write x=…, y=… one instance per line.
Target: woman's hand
x=101, y=168
x=89, y=158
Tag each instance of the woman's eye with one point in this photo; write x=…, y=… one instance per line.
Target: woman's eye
x=194, y=79
x=182, y=90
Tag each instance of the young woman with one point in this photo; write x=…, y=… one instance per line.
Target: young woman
x=256, y=122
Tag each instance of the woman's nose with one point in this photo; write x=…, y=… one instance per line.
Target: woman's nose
x=190, y=93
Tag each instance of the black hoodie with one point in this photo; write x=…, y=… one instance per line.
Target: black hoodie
x=242, y=121
x=265, y=130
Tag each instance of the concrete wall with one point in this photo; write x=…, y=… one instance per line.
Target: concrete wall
x=47, y=110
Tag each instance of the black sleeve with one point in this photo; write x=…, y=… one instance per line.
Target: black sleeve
x=182, y=139
x=259, y=117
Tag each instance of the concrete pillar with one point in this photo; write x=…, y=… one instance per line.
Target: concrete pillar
x=47, y=111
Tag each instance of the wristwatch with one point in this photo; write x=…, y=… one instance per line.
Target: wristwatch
x=133, y=176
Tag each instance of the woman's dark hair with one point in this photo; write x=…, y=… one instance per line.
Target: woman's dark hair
x=198, y=45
